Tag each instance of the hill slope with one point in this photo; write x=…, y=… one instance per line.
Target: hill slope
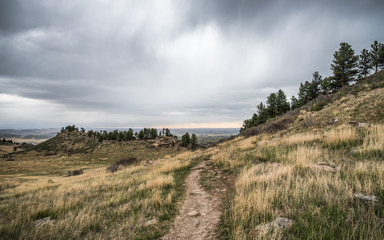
x=323, y=171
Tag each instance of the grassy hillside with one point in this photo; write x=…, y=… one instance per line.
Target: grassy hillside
x=310, y=171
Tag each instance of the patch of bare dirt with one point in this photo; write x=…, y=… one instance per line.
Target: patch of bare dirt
x=206, y=189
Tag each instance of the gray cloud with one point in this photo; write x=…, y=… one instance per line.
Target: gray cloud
x=129, y=63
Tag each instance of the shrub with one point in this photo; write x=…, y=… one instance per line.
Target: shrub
x=252, y=131
x=126, y=161
x=123, y=162
x=75, y=173
x=318, y=106
x=280, y=124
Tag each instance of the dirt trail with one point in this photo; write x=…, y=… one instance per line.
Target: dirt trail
x=200, y=212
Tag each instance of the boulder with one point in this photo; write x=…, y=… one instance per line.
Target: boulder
x=369, y=199
x=326, y=167
x=280, y=223
x=363, y=125
x=44, y=221
x=151, y=222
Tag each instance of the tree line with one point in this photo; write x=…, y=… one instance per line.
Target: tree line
x=187, y=140
x=347, y=68
x=116, y=135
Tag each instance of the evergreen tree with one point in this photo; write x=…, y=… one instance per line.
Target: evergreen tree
x=328, y=85
x=295, y=103
x=344, y=65
x=168, y=133
x=282, y=105
x=194, y=143
x=185, y=140
x=153, y=133
x=305, y=93
x=141, y=135
x=365, y=63
x=272, y=105
x=377, y=55
x=315, y=88
x=262, y=114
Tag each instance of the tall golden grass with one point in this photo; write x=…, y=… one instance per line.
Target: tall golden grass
x=320, y=202
x=97, y=204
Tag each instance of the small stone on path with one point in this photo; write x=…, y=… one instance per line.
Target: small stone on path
x=193, y=214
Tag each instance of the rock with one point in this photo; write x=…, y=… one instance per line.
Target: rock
x=366, y=198
x=194, y=213
x=353, y=123
x=279, y=224
x=333, y=121
x=151, y=222
x=325, y=166
x=363, y=125
x=274, y=165
x=43, y=221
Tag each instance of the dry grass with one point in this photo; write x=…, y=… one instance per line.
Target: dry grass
x=96, y=204
x=373, y=144
x=279, y=178
x=341, y=136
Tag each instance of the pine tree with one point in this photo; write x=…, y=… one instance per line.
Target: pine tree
x=272, y=105
x=282, y=105
x=295, y=103
x=168, y=133
x=305, y=93
x=141, y=135
x=315, y=87
x=194, y=143
x=262, y=114
x=377, y=55
x=185, y=140
x=344, y=65
x=365, y=63
x=247, y=123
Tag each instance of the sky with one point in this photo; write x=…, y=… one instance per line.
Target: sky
x=168, y=63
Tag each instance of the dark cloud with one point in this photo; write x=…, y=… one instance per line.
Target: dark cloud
x=269, y=13
x=170, y=62
x=20, y=15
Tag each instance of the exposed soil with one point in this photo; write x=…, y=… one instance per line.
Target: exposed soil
x=206, y=189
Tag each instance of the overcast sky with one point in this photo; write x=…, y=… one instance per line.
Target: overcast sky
x=168, y=63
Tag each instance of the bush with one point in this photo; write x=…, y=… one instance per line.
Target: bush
x=252, y=131
x=318, y=106
x=280, y=124
x=113, y=168
x=75, y=173
x=126, y=161
x=123, y=162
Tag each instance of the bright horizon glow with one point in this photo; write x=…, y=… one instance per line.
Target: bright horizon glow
x=203, y=125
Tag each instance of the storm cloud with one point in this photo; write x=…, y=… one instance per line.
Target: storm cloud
x=166, y=63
